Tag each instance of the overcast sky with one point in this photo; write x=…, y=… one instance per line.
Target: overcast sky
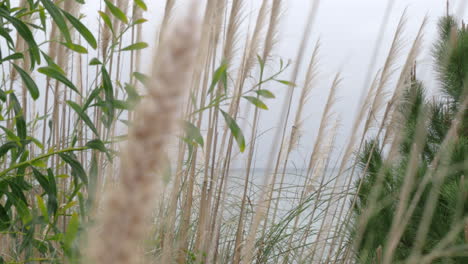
x=348, y=30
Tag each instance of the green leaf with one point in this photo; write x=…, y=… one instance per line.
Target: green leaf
x=6, y=147
x=52, y=64
x=21, y=130
x=143, y=78
x=106, y=20
x=71, y=233
x=76, y=48
x=4, y=33
x=94, y=94
x=265, y=93
x=77, y=169
x=97, y=144
x=21, y=207
x=3, y=95
x=116, y=12
x=14, y=56
x=109, y=95
x=219, y=74
x=133, y=96
x=193, y=133
x=26, y=34
x=136, y=46
x=82, y=29
x=83, y=116
x=93, y=178
x=52, y=203
x=41, y=179
x=11, y=135
x=56, y=74
x=235, y=130
x=4, y=219
x=28, y=82
x=95, y=61
x=54, y=12
x=140, y=21
x=141, y=4
x=42, y=207
x=288, y=83
x=257, y=102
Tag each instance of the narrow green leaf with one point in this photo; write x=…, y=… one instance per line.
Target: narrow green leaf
x=14, y=56
x=56, y=74
x=193, y=133
x=97, y=144
x=235, y=130
x=77, y=169
x=218, y=75
x=82, y=29
x=94, y=94
x=3, y=96
x=109, y=95
x=76, y=48
x=52, y=203
x=54, y=12
x=95, y=61
x=265, y=93
x=257, y=102
x=20, y=206
x=93, y=178
x=288, y=83
x=136, y=46
x=140, y=21
x=21, y=130
x=143, y=78
x=106, y=20
x=4, y=33
x=42, y=207
x=72, y=232
x=26, y=34
x=51, y=63
x=6, y=147
x=4, y=219
x=83, y=116
x=28, y=82
x=116, y=12
x=141, y=4
x=41, y=179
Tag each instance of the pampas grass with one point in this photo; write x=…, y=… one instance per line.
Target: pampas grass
x=153, y=126
x=176, y=194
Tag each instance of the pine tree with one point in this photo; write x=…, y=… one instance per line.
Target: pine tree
x=424, y=122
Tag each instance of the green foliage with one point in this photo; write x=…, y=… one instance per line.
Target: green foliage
x=423, y=123
x=48, y=183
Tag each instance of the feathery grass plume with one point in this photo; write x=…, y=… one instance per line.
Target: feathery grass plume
x=402, y=83
x=286, y=108
x=120, y=234
x=232, y=32
x=272, y=32
x=310, y=79
x=389, y=127
x=249, y=58
x=199, y=89
x=324, y=123
x=320, y=141
x=375, y=108
x=259, y=215
x=106, y=33
x=311, y=76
